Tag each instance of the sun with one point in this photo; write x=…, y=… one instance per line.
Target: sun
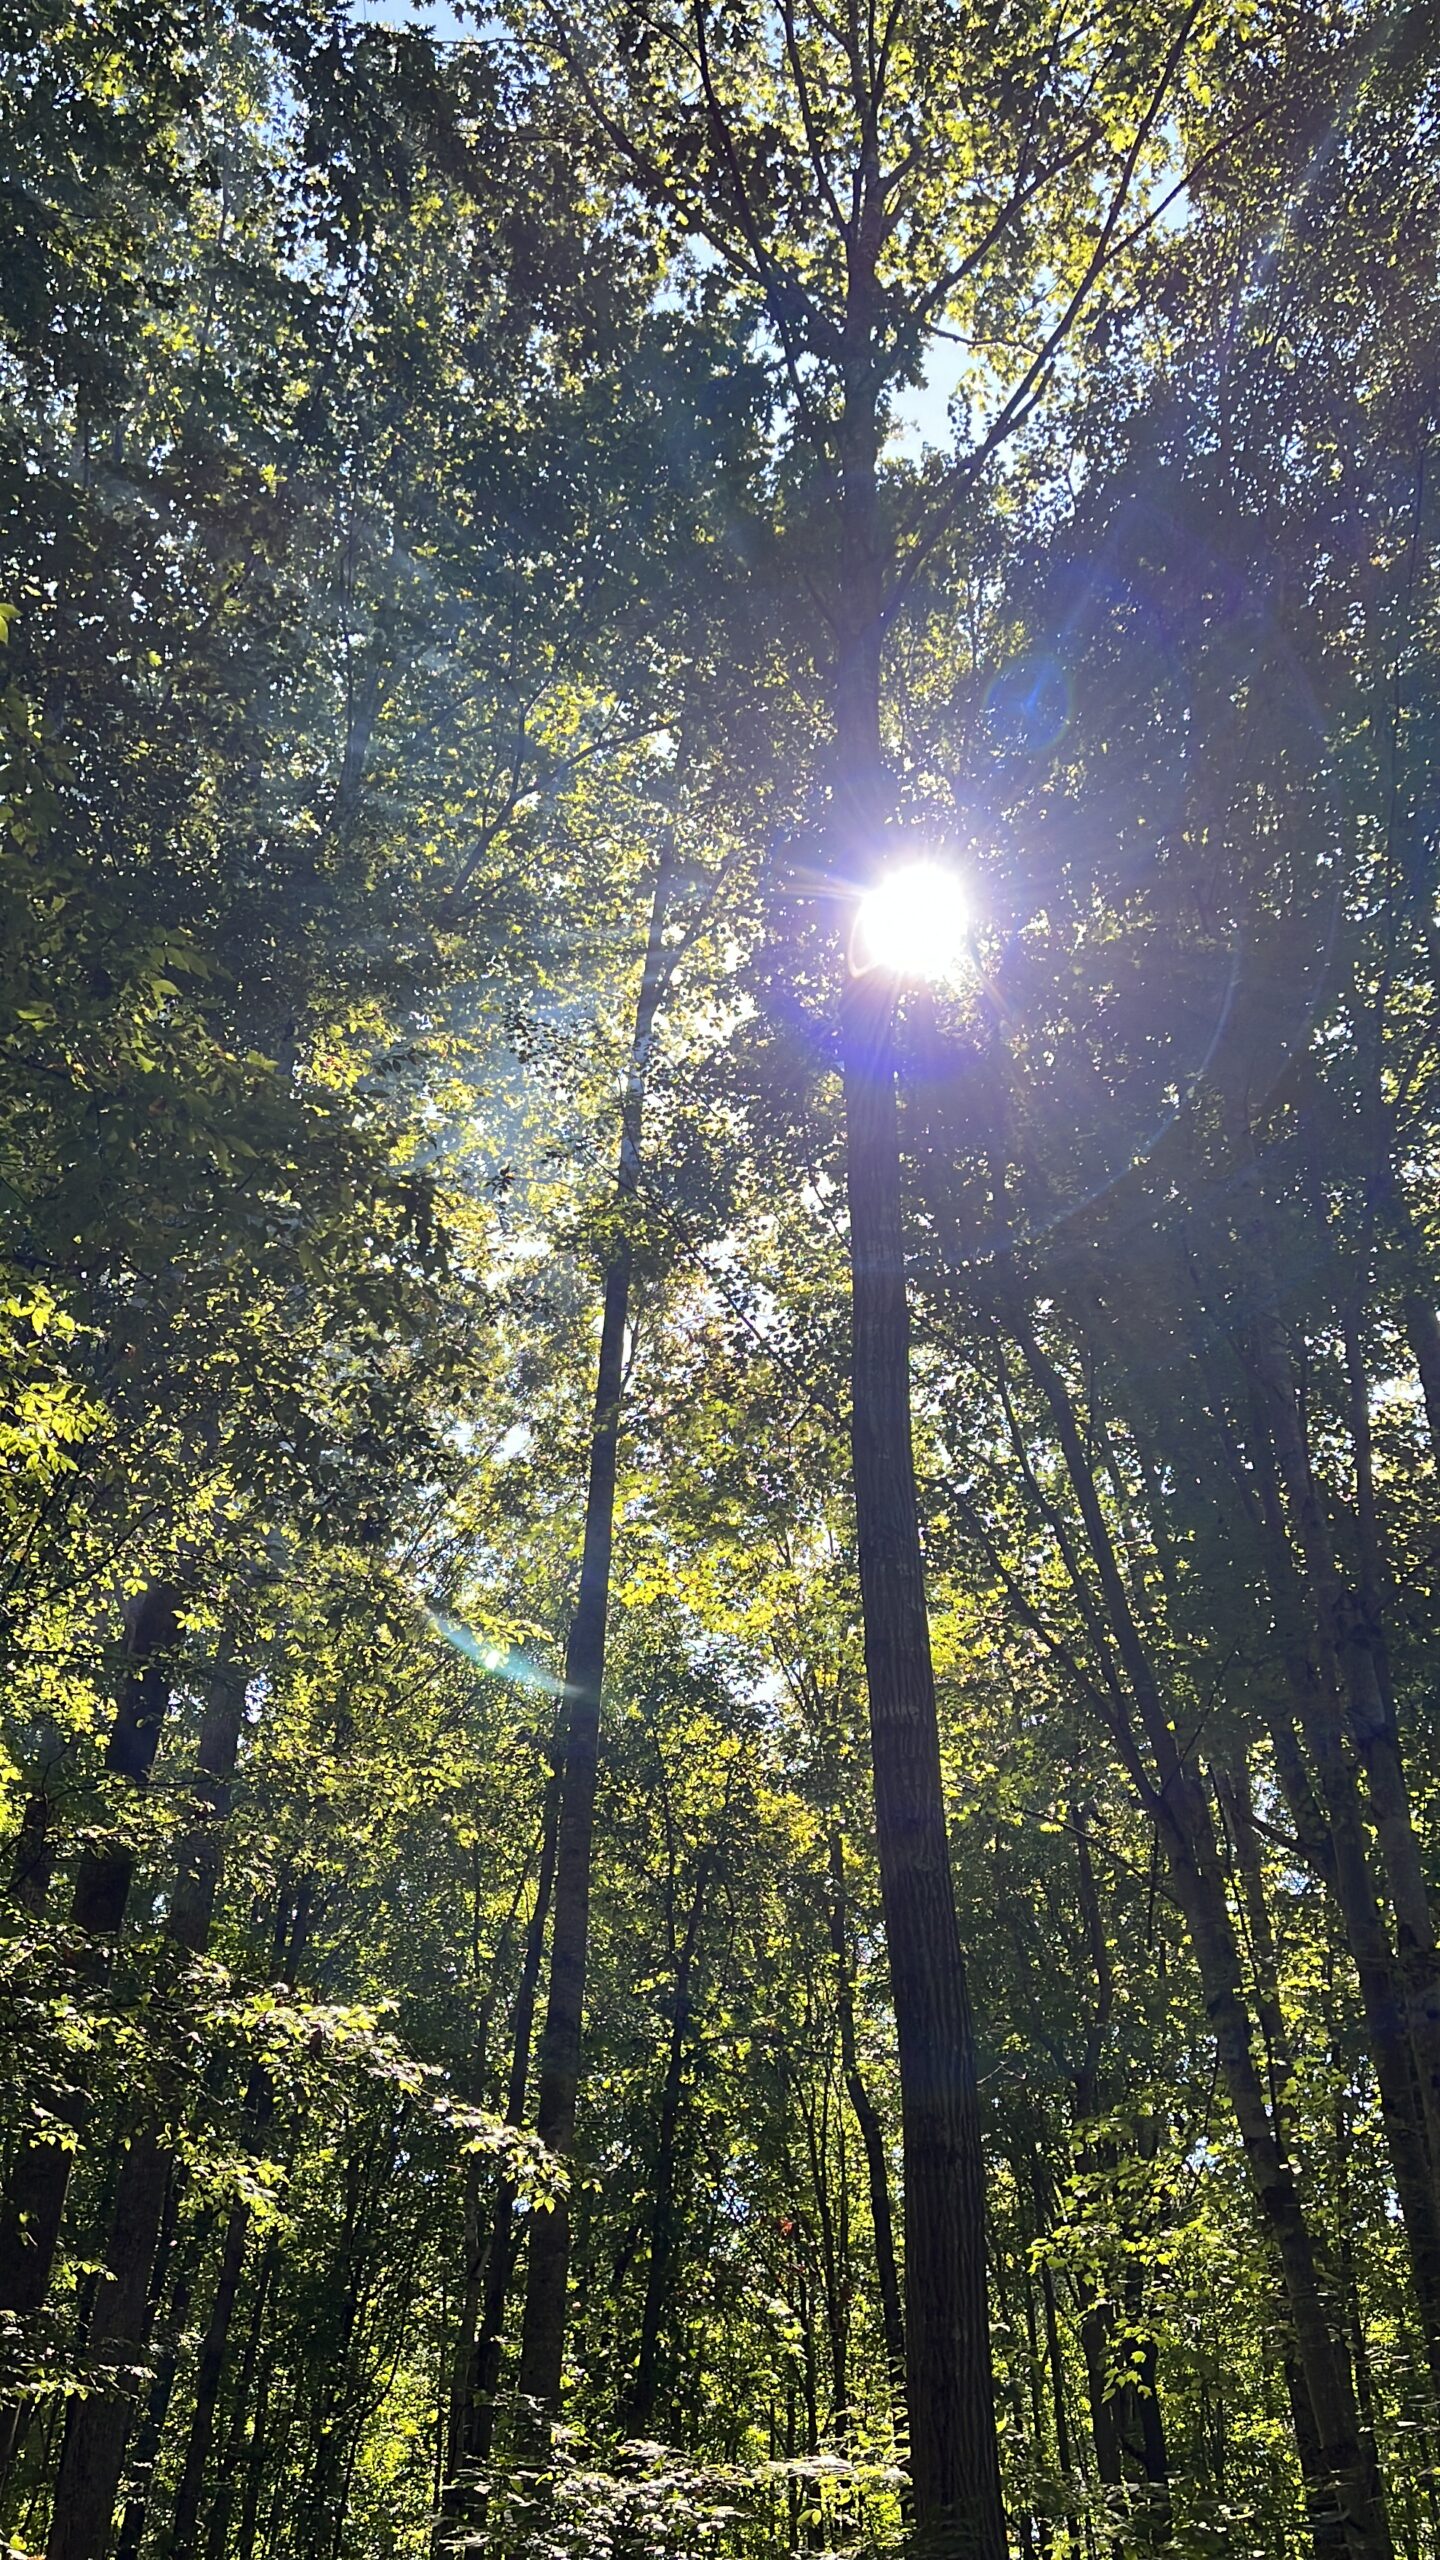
x=914, y=923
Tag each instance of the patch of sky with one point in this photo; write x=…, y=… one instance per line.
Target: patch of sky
x=920, y=420
x=428, y=17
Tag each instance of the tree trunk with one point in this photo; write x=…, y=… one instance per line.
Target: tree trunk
x=97, y=2426
x=662, y=2225
x=92, y=2451
x=34, y=2203
x=1350, y=2515
x=1349, y=1648
x=33, y=1861
x=872, y=2133
x=491, y=2276
x=157, y=2404
x=1422, y=1327
x=542, y=2350
x=1055, y=2363
x=258, y=2108
x=255, y=2466
x=217, y=2527
x=954, y=2457
x=185, y=2518
x=954, y=2462
x=1330, y=1819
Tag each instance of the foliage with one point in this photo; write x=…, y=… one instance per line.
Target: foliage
x=424, y=464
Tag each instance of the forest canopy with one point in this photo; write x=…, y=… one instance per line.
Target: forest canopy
x=719, y=1280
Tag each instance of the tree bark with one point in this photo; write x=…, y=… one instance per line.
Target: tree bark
x=1329, y=1819
x=954, y=2461
x=1349, y=1649
x=259, y=2107
x=33, y=1861
x=157, y=2404
x=872, y=2133
x=217, y=2525
x=641, y=2404
x=1349, y=2513
x=542, y=2350
x=97, y=2425
x=34, y=2203
x=490, y=2277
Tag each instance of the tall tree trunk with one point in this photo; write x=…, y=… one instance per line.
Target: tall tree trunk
x=157, y=2402
x=258, y=2108
x=872, y=2133
x=217, y=2525
x=1350, y=2514
x=1055, y=2363
x=34, y=2202
x=496, y=2266
x=1324, y=1796
x=256, y=2451
x=33, y=2208
x=1350, y=1660
x=954, y=2463
x=185, y=2516
x=97, y=2425
x=954, y=2458
x=460, y=2362
x=1330, y=1819
x=641, y=2404
x=542, y=2350
x=494, y=2245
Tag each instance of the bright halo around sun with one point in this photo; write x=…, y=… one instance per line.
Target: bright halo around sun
x=914, y=923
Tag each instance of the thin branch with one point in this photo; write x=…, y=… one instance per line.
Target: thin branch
x=807, y=118
x=775, y=285
x=1022, y=399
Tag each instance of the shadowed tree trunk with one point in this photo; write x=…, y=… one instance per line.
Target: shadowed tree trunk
x=951, y=2400
x=217, y=2525
x=40, y=2174
x=488, y=2278
x=1349, y=2514
x=292, y=1931
x=475, y=2237
x=34, y=2203
x=1348, y=1639
x=1330, y=1821
x=97, y=2426
x=641, y=2406
x=542, y=2350
x=953, y=2450
x=146, y=2444
x=872, y=2133
x=33, y=1862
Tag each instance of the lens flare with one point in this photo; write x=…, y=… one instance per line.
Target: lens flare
x=504, y=1661
x=914, y=923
